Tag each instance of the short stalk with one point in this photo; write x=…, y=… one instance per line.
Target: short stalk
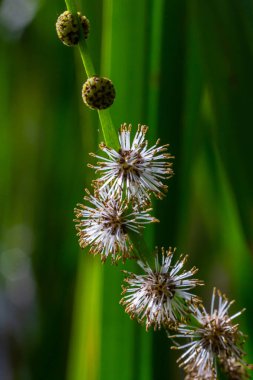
x=71, y=6
x=110, y=136
x=140, y=246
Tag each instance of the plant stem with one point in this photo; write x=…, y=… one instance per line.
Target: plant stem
x=140, y=246
x=86, y=58
x=71, y=6
x=109, y=133
x=110, y=136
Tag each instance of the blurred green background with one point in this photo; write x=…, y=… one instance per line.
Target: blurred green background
x=185, y=69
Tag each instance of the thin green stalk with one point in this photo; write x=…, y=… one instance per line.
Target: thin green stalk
x=71, y=6
x=86, y=58
x=110, y=136
x=109, y=133
x=140, y=246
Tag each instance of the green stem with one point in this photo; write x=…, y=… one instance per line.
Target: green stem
x=86, y=58
x=110, y=136
x=140, y=246
x=109, y=133
x=71, y=6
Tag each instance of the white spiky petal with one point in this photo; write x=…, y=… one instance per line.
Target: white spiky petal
x=215, y=338
x=105, y=224
x=134, y=170
x=160, y=296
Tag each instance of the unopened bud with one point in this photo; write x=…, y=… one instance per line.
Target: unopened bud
x=68, y=27
x=98, y=93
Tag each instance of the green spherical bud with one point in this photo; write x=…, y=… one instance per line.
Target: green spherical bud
x=67, y=27
x=98, y=93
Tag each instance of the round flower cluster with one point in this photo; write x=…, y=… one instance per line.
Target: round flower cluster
x=214, y=339
x=135, y=170
x=106, y=223
x=161, y=296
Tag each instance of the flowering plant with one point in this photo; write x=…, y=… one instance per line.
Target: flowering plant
x=128, y=174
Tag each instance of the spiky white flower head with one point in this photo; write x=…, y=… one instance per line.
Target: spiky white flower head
x=160, y=297
x=105, y=224
x=134, y=169
x=215, y=339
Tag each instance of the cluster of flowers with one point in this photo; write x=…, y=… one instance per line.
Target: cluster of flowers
x=160, y=297
x=110, y=222
x=120, y=205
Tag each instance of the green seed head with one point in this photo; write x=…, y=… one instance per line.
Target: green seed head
x=98, y=93
x=67, y=27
